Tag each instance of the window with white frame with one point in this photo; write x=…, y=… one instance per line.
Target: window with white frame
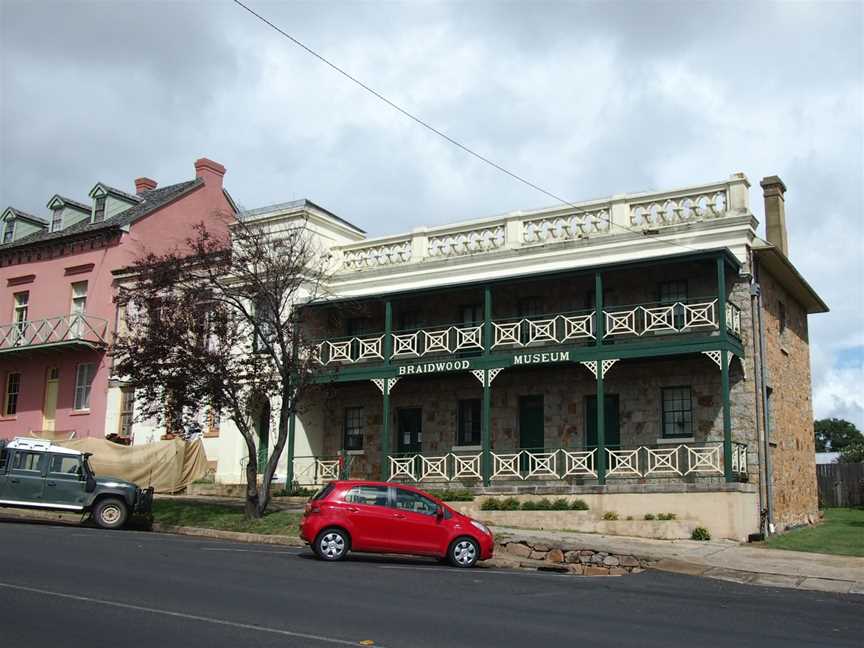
x=20, y=312
x=10, y=394
x=677, y=412
x=9, y=230
x=57, y=219
x=99, y=209
x=354, y=419
x=83, y=382
x=79, y=298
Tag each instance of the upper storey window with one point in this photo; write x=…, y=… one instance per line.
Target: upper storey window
x=99, y=209
x=57, y=220
x=8, y=230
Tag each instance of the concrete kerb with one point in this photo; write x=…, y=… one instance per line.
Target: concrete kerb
x=234, y=536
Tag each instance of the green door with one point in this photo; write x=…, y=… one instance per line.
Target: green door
x=531, y=426
x=610, y=420
x=409, y=422
x=25, y=481
x=64, y=482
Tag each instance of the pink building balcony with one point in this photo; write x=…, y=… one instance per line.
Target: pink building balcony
x=72, y=330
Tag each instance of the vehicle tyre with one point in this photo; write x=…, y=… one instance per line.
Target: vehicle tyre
x=332, y=544
x=464, y=552
x=110, y=513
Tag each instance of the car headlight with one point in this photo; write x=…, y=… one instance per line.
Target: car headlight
x=481, y=526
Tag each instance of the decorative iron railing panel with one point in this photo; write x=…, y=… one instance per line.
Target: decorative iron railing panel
x=54, y=330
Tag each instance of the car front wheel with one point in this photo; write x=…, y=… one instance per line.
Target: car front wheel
x=331, y=544
x=464, y=553
x=110, y=513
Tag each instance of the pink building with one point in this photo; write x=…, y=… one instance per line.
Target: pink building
x=57, y=288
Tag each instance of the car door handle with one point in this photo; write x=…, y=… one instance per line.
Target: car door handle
x=398, y=516
x=51, y=483
x=352, y=509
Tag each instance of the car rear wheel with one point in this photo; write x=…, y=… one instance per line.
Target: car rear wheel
x=331, y=544
x=464, y=552
x=110, y=513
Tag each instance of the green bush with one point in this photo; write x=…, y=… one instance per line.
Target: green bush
x=700, y=533
x=610, y=515
x=666, y=516
x=490, y=504
x=537, y=505
x=560, y=504
x=455, y=495
x=296, y=491
x=578, y=505
x=649, y=516
x=509, y=504
x=629, y=517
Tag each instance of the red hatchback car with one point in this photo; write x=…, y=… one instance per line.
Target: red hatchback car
x=382, y=517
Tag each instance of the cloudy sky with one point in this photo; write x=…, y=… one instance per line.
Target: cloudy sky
x=585, y=99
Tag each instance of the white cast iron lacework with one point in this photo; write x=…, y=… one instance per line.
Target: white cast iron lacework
x=690, y=207
x=483, y=239
x=479, y=375
x=402, y=467
x=552, y=229
x=739, y=459
x=433, y=467
x=542, y=464
x=640, y=320
x=704, y=459
x=606, y=365
x=506, y=465
x=715, y=356
x=667, y=461
x=623, y=462
x=663, y=461
x=377, y=256
x=385, y=384
x=466, y=466
x=591, y=365
x=733, y=319
x=558, y=329
x=328, y=469
x=579, y=462
x=69, y=328
x=418, y=467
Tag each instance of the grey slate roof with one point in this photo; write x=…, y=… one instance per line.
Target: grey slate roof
x=119, y=192
x=26, y=216
x=150, y=202
x=75, y=203
x=252, y=213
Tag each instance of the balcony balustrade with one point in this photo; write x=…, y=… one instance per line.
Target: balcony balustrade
x=72, y=329
x=639, y=321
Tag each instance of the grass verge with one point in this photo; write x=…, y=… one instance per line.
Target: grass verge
x=224, y=518
x=841, y=533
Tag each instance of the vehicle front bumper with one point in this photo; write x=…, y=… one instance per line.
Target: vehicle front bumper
x=144, y=503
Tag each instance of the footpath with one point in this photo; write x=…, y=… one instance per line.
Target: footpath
x=724, y=560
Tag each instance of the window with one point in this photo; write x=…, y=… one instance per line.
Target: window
x=354, y=417
x=31, y=461
x=79, y=297
x=368, y=495
x=10, y=396
x=68, y=466
x=415, y=502
x=674, y=292
x=468, y=430
x=127, y=411
x=781, y=316
x=83, y=383
x=57, y=220
x=9, y=231
x=21, y=308
x=530, y=308
x=677, y=412
x=99, y=209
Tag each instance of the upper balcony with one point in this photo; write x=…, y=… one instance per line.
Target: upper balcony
x=709, y=216
x=66, y=330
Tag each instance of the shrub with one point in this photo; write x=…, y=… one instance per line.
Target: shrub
x=649, y=516
x=578, y=505
x=455, y=495
x=560, y=504
x=666, y=516
x=629, y=517
x=509, y=504
x=296, y=491
x=537, y=505
x=610, y=515
x=490, y=504
x=700, y=533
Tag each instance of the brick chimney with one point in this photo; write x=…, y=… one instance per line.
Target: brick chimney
x=144, y=184
x=773, y=191
x=210, y=172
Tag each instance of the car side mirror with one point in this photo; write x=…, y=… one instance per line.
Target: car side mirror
x=440, y=512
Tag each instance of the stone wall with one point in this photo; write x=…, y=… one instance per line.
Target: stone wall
x=791, y=407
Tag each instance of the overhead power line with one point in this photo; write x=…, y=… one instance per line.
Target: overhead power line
x=438, y=132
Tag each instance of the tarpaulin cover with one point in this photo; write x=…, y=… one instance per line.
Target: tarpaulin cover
x=167, y=466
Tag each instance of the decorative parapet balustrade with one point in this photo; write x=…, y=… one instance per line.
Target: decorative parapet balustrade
x=557, y=464
x=576, y=327
x=313, y=471
x=54, y=330
x=615, y=216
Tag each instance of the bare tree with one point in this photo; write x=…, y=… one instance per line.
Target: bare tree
x=221, y=326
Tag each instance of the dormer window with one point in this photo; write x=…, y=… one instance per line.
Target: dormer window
x=99, y=209
x=57, y=220
x=8, y=230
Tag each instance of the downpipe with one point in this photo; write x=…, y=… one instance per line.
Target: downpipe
x=768, y=509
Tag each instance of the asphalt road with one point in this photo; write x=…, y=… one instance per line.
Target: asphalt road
x=72, y=586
